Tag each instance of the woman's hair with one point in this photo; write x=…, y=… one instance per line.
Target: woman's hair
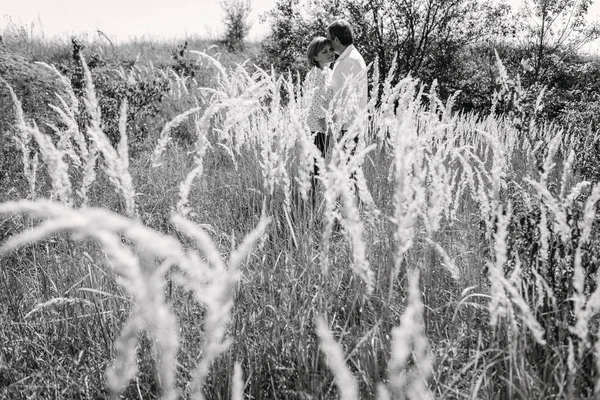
x=315, y=46
x=341, y=30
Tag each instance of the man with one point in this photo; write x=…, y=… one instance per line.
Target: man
x=349, y=89
x=349, y=84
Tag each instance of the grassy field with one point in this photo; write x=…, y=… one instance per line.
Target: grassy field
x=450, y=256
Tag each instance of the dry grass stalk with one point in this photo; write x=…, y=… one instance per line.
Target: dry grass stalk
x=567, y=174
x=597, y=359
x=116, y=161
x=67, y=113
x=409, y=193
x=334, y=356
x=338, y=181
x=53, y=157
x=201, y=125
x=499, y=304
x=30, y=163
x=237, y=388
x=215, y=290
x=202, y=55
x=447, y=263
x=513, y=289
x=505, y=292
x=165, y=138
x=213, y=287
x=308, y=156
x=57, y=167
x=553, y=205
x=149, y=310
x=585, y=308
x=55, y=302
x=410, y=340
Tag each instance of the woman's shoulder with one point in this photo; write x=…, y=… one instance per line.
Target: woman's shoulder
x=311, y=75
x=318, y=76
x=315, y=72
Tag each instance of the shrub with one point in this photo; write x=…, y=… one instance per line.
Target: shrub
x=181, y=62
x=143, y=88
x=237, y=24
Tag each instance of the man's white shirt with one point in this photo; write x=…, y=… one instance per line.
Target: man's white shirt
x=348, y=66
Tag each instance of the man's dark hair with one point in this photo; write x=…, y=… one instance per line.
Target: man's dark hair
x=342, y=30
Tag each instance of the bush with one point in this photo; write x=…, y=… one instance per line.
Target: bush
x=182, y=64
x=236, y=21
x=291, y=32
x=143, y=88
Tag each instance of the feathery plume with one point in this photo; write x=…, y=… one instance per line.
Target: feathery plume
x=409, y=339
x=165, y=138
x=335, y=359
x=237, y=388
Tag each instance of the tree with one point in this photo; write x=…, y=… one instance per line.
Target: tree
x=554, y=30
x=237, y=24
x=425, y=36
x=294, y=23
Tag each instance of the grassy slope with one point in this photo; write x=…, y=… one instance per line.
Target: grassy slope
x=63, y=351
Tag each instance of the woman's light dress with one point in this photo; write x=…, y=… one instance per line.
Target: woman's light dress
x=317, y=88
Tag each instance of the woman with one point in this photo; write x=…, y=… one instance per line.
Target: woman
x=317, y=85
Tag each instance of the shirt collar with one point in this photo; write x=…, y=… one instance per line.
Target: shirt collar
x=346, y=52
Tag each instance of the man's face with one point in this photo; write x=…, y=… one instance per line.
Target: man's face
x=338, y=48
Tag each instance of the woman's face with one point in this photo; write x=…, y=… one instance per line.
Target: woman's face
x=325, y=57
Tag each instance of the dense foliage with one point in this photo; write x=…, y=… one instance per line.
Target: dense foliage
x=455, y=43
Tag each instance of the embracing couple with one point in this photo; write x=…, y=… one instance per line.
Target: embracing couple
x=341, y=91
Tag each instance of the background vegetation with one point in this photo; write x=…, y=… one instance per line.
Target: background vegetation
x=169, y=248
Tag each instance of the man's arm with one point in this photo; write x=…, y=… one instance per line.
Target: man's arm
x=344, y=82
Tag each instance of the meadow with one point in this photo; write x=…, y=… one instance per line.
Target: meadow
x=181, y=251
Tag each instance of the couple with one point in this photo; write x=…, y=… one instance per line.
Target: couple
x=346, y=85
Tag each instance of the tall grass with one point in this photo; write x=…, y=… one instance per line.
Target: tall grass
x=447, y=256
